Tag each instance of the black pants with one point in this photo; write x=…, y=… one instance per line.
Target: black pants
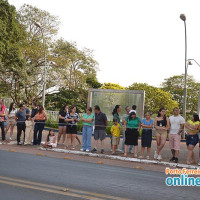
x=20, y=127
x=2, y=131
x=39, y=126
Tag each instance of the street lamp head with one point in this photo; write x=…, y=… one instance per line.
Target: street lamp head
x=189, y=62
x=183, y=17
x=38, y=24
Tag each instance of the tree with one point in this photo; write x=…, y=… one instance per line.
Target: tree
x=23, y=77
x=76, y=73
x=155, y=98
x=175, y=86
x=112, y=86
x=12, y=37
x=75, y=66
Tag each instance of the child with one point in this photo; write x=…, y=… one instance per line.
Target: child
x=133, y=109
x=51, y=141
x=115, y=131
x=29, y=130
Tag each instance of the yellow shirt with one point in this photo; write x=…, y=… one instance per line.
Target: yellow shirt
x=115, y=130
x=191, y=123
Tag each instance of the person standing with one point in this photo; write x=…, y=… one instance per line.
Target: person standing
x=21, y=126
x=26, y=108
x=39, y=119
x=2, y=118
x=11, y=119
x=192, y=129
x=127, y=108
x=71, y=118
x=116, y=115
x=199, y=145
x=101, y=123
x=147, y=125
x=115, y=131
x=34, y=110
x=132, y=128
x=133, y=109
x=161, y=125
x=62, y=124
x=88, y=122
x=29, y=130
x=176, y=127
x=2, y=105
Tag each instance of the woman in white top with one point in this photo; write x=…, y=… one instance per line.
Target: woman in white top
x=51, y=141
x=11, y=119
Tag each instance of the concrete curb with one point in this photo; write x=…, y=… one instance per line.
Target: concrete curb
x=122, y=158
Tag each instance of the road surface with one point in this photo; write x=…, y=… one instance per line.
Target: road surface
x=32, y=177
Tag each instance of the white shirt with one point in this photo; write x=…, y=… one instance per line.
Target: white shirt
x=175, y=122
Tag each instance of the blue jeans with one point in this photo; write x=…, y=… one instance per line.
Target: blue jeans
x=87, y=134
x=123, y=143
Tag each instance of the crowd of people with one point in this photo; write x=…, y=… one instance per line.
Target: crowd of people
x=130, y=125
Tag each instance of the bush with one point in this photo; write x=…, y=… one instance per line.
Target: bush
x=51, y=124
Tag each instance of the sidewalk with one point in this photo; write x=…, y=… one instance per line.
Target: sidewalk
x=166, y=153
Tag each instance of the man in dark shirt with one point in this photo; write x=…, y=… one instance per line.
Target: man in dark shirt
x=26, y=108
x=21, y=126
x=34, y=110
x=100, y=128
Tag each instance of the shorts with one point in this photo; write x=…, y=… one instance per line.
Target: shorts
x=115, y=140
x=99, y=134
x=62, y=124
x=71, y=129
x=174, y=141
x=161, y=133
x=192, y=140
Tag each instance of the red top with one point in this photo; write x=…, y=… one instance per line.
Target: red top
x=2, y=112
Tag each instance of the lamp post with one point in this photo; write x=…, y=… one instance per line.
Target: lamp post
x=45, y=67
x=190, y=63
x=183, y=17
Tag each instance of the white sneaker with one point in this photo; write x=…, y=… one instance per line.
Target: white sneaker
x=140, y=157
x=10, y=139
x=159, y=157
x=87, y=150
x=155, y=155
x=118, y=150
x=147, y=157
x=81, y=149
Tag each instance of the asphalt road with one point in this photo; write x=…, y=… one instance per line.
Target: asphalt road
x=32, y=177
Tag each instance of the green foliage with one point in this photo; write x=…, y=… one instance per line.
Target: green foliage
x=155, y=98
x=175, y=86
x=112, y=86
x=51, y=124
x=12, y=35
x=57, y=100
x=93, y=83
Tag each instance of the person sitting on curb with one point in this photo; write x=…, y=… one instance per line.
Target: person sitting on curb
x=51, y=141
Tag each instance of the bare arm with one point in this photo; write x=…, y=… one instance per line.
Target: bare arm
x=181, y=129
x=61, y=117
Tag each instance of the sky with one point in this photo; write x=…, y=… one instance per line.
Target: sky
x=133, y=40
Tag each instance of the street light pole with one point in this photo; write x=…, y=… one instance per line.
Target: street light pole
x=45, y=67
x=183, y=17
x=198, y=108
